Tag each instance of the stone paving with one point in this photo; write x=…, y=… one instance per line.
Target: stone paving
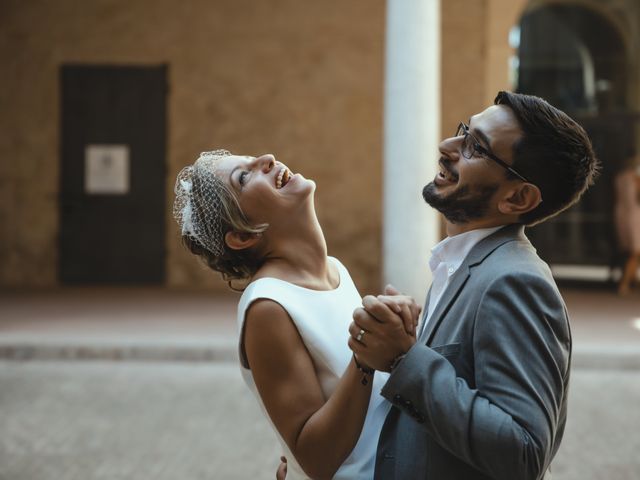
x=133, y=421
x=197, y=421
x=141, y=385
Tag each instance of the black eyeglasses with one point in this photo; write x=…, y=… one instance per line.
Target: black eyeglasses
x=470, y=145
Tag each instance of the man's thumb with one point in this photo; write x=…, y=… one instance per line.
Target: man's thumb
x=391, y=290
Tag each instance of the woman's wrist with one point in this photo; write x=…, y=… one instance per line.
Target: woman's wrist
x=366, y=371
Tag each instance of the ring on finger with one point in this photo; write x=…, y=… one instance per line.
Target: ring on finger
x=360, y=335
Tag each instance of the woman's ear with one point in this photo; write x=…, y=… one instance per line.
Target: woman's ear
x=520, y=200
x=241, y=240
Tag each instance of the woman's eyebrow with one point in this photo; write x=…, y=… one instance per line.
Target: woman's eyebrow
x=231, y=182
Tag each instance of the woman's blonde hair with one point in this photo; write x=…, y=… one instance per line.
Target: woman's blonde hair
x=206, y=209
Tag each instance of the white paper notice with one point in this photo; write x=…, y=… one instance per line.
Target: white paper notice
x=106, y=169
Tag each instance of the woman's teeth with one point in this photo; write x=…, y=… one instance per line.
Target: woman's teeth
x=283, y=178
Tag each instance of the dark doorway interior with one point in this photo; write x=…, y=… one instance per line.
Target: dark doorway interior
x=112, y=175
x=576, y=59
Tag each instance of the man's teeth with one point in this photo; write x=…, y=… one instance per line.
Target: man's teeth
x=448, y=176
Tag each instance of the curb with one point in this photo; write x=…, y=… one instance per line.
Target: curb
x=225, y=350
x=119, y=351
x=606, y=358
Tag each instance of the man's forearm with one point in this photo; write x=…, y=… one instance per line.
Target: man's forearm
x=425, y=386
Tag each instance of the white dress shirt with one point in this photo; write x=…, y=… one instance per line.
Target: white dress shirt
x=446, y=258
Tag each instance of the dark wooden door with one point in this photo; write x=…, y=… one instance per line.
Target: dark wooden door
x=112, y=175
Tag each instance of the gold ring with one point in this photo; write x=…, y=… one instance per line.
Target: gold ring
x=360, y=335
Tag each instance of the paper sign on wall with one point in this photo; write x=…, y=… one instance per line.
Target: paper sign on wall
x=106, y=169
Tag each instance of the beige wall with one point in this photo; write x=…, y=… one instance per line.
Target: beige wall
x=300, y=79
x=475, y=55
x=463, y=55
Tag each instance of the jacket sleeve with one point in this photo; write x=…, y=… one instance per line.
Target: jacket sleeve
x=505, y=424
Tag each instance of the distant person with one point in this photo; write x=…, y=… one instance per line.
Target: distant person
x=482, y=392
x=613, y=134
x=254, y=221
x=612, y=131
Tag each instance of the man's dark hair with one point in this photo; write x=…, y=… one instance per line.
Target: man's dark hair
x=554, y=153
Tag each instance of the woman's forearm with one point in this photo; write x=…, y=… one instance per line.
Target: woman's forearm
x=330, y=434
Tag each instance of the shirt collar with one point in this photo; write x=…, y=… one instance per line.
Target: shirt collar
x=453, y=250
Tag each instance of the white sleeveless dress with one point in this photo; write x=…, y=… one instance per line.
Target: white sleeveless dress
x=322, y=318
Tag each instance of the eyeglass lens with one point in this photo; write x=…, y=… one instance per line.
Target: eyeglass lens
x=468, y=146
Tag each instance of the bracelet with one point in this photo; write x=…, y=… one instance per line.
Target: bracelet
x=365, y=370
x=396, y=361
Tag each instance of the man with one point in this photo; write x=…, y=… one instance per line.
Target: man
x=482, y=392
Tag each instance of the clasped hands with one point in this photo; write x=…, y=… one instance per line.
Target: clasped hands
x=383, y=328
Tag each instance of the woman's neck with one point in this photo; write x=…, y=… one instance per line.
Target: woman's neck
x=299, y=257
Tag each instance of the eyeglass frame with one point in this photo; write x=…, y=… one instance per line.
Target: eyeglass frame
x=463, y=130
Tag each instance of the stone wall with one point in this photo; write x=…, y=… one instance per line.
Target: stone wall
x=300, y=79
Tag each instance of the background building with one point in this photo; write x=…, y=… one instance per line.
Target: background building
x=104, y=101
x=158, y=82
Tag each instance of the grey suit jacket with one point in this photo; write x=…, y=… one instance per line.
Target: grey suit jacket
x=483, y=392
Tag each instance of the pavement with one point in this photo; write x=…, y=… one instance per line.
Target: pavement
x=144, y=384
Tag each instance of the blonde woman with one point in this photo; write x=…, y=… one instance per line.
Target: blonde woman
x=254, y=221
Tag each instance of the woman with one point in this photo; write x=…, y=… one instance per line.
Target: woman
x=253, y=220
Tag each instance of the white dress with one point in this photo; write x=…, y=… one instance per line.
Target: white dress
x=322, y=318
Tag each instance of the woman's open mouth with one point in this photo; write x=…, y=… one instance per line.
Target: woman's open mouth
x=283, y=177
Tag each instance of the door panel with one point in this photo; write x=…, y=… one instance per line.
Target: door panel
x=113, y=235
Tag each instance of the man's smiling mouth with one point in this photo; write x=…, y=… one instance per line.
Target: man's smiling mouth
x=446, y=173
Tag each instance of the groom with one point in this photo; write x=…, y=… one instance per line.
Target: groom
x=482, y=392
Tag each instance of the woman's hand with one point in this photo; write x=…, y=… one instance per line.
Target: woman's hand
x=281, y=473
x=403, y=305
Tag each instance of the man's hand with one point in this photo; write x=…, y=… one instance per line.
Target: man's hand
x=403, y=305
x=378, y=334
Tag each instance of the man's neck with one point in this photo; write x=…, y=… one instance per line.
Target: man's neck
x=453, y=229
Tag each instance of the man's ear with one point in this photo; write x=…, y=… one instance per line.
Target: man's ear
x=241, y=240
x=520, y=200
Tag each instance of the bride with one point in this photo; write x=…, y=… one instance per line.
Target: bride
x=254, y=221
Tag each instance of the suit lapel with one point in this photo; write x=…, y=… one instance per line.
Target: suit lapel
x=476, y=256
x=451, y=292
x=424, y=312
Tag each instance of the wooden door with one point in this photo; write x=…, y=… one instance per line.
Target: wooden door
x=112, y=174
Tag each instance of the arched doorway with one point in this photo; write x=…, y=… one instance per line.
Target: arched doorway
x=577, y=59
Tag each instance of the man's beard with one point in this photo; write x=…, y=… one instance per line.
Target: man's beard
x=462, y=205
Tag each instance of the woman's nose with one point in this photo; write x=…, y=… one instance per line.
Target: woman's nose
x=266, y=162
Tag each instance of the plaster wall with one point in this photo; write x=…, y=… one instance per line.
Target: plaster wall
x=303, y=80
x=464, y=48
x=300, y=79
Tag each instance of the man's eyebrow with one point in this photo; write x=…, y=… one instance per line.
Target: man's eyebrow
x=481, y=136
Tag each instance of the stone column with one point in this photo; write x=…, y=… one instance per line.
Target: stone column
x=411, y=137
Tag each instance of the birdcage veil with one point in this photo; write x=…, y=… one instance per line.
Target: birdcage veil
x=198, y=203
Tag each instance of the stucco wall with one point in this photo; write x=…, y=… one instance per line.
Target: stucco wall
x=476, y=51
x=463, y=55
x=300, y=79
